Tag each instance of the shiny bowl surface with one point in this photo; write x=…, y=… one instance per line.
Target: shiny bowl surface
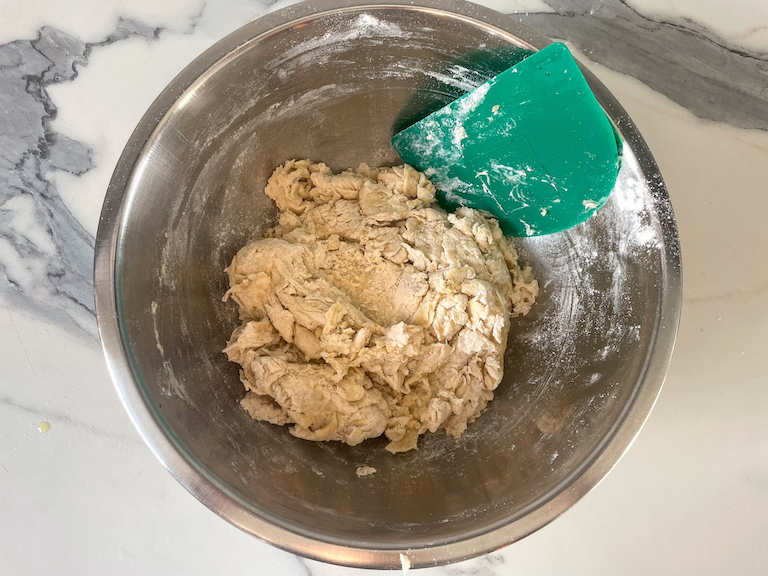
x=330, y=81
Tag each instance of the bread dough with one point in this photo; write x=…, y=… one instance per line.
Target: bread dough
x=365, y=471
x=368, y=310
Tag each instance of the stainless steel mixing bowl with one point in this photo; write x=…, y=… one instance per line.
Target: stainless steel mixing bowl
x=330, y=80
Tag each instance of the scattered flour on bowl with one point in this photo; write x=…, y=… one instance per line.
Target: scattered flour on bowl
x=339, y=36
x=457, y=76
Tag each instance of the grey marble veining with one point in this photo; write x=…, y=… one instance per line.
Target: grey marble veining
x=686, y=63
x=490, y=565
x=304, y=565
x=702, y=443
x=46, y=256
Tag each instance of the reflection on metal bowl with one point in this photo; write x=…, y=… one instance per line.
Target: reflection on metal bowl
x=330, y=81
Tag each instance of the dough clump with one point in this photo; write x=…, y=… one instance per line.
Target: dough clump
x=368, y=310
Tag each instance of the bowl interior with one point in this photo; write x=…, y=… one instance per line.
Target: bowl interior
x=333, y=87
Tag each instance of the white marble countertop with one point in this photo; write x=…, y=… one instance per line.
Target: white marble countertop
x=87, y=497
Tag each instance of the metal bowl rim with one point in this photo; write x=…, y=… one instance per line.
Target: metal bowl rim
x=176, y=460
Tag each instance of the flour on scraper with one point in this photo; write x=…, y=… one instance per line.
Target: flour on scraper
x=368, y=310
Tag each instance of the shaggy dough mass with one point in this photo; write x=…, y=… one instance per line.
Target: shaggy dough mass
x=369, y=311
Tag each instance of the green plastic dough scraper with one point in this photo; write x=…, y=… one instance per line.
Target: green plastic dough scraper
x=532, y=146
